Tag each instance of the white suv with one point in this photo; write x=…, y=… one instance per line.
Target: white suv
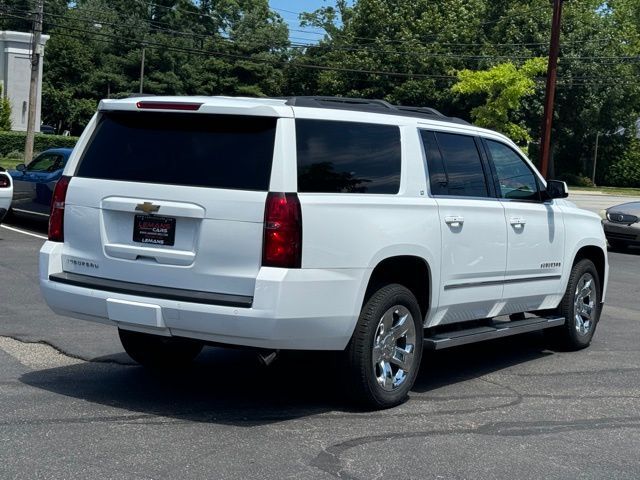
x=315, y=223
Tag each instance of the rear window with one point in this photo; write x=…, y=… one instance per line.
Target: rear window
x=347, y=157
x=218, y=151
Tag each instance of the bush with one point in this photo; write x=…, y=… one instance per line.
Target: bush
x=14, y=155
x=14, y=141
x=626, y=172
x=576, y=180
x=5, y=112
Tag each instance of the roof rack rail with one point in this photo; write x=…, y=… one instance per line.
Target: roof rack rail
x=427, y=110
x=320, y=101
x=370, y=105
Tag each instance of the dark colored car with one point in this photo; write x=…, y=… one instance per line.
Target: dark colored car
x=33, y=184
x=621, y=225
x=47, y=129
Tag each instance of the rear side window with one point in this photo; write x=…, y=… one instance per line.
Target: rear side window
x=462, y=165
x=347, y=157
x=218, y=151
x=437, y=175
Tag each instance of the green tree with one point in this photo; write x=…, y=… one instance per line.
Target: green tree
x=626, y=171
x=5, y=112
x=503, y=87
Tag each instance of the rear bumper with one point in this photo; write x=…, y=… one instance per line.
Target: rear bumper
x=298, y=309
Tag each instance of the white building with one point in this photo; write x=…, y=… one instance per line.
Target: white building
x=15, y=75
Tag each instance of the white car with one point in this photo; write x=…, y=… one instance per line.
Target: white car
x=6, y=193
x=315, y=223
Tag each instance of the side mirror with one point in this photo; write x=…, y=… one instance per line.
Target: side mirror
x=21, y=167
x=556, y=189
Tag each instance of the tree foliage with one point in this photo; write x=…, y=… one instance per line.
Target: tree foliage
x=626, y=172
x=504, y=86
x=5, y=112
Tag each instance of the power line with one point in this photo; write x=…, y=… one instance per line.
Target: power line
x=348, y=46
x=250, y=59
x=401, y=53
x=396, y=53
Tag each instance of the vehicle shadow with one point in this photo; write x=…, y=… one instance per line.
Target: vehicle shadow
x=468, y=362
x=228, y=386
x=36, y=225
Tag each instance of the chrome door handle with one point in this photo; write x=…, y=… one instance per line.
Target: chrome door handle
x=517, y=222
x=454, y=221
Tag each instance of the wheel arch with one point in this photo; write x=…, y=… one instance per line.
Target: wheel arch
x=412, y=271
x=599, y=259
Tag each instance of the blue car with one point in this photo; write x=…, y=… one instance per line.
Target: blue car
x=33, y=184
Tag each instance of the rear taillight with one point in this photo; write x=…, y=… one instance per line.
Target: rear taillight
x=56, y=219
x=282, y=246
x=4, y=181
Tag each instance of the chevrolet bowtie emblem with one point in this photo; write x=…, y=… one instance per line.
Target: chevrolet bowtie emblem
x=147, y=207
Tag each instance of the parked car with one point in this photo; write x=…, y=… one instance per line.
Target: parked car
x=314, y=223
x=621, y=225
x=6, y=193
x=34, y=183
x=47, y=129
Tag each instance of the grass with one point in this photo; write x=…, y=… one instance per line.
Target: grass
x=9, y=163
x=627, y=192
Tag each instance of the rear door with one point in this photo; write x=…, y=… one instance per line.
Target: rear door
x=535, y=233
x=171, y=199
x=472, y=226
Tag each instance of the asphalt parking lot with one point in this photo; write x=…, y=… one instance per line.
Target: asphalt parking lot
x=74, y=406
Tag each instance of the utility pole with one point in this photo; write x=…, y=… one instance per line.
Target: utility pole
x=545, y=141
x=142, y=69
x=36, y=53
x=595, y=159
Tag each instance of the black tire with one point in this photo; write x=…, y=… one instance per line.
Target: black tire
x=573, y=335
x=617, y=245
x=396, y=301
x=155, y=351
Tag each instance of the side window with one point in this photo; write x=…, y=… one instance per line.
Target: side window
x=437, y=175
x=516, y=179
x=462, y=165
x=45, y=163
x=347, y=157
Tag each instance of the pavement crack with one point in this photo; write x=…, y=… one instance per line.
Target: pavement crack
x=59, y=351
x=330, y=459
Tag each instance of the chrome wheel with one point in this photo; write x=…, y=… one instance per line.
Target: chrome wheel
x=584, y=304
x=394, y=345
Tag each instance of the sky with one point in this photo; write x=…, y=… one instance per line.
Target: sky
x=289, y=10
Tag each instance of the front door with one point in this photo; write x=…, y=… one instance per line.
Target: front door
x=535, y=234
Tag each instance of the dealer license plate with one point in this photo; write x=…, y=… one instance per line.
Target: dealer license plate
x=154, y=230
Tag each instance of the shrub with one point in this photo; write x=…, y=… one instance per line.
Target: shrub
x=14, y=155
x=626, y=172
x=5, y=112
x=14, y=141
x=576, y=180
